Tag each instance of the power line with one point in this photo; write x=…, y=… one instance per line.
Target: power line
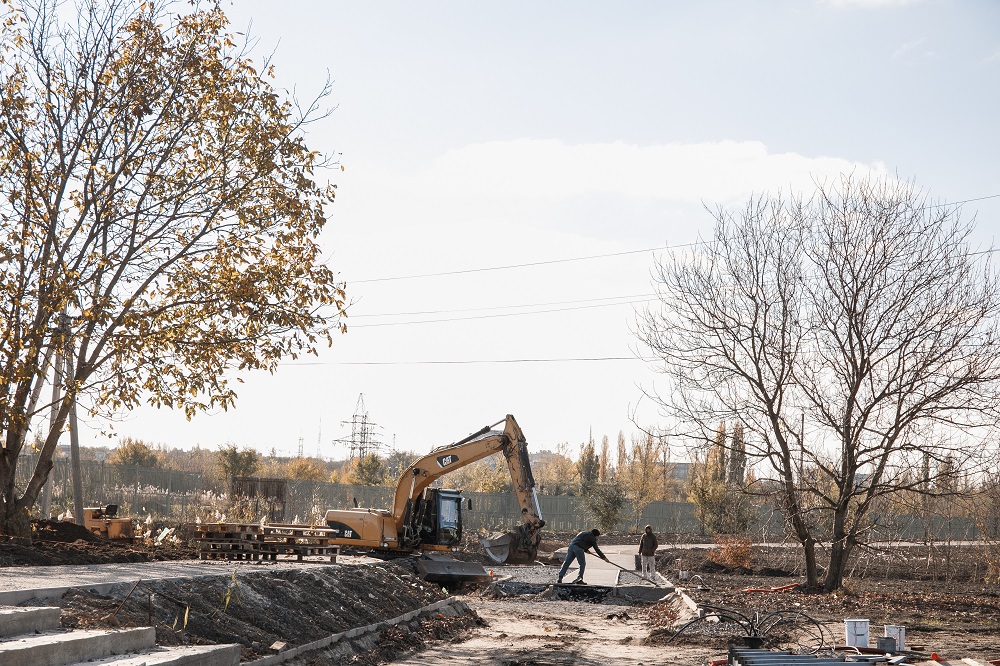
x=510, y=266
x=502, y=307
x=502, y=314
x=548, y=262
x=483, y=361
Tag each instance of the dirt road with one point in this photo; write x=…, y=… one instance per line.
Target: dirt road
x=557, y=633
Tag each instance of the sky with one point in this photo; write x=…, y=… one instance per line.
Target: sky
x=532, y=160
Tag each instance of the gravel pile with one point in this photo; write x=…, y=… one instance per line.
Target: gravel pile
x=527, y=574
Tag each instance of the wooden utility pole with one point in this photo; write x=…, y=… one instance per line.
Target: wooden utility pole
x=74, y=438
x=57, y=380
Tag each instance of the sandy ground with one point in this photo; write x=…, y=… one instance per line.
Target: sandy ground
x=523, y=631
x=554, y=633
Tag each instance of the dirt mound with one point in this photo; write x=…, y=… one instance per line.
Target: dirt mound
x=57, y=542
x=258, y=608
x=60, y=530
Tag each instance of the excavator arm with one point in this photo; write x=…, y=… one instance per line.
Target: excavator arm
x=523, y=542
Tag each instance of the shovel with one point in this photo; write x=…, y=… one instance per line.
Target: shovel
x=631, y=572
x=623, y=569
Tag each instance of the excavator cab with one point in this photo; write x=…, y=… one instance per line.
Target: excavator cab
x=439, y=517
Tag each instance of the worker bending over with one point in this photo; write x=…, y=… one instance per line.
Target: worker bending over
x=580, y=544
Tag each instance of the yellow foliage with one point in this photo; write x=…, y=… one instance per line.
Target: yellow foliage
x=305, y=469
x=156, y=189
x=732, y=552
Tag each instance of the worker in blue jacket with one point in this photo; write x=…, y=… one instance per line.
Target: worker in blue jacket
x=580, y=544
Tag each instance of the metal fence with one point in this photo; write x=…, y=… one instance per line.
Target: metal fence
x=183, y=496
x=137, y=490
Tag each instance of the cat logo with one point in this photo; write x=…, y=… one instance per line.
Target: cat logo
x=444, y=461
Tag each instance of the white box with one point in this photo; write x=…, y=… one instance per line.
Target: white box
x=897, y=632
x=857, y=632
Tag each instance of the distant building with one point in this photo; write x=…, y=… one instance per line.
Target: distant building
x=680, y=471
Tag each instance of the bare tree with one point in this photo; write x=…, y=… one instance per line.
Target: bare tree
x=851, y=333
x=159, y=212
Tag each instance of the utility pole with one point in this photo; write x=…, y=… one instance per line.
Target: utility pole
x=57, y=382
x=319, y=438
x=74, y=436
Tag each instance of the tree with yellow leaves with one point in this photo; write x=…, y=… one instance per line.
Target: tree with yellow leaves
x=555, y=472
x=305, y=469
x=641, y=471
x=159, y=212
x=135, y=453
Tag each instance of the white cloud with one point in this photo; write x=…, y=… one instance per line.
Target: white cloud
x=545, y=198
x=995, y=57
x=907, y=47
x=550, y=171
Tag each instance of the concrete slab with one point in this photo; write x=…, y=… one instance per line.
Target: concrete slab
x=59, y=648
x=15, y=621
x=185, y=655
x=643, y=593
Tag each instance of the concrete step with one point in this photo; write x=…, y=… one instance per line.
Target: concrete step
x=184, y=655
x=68, y=647
x=15, y=620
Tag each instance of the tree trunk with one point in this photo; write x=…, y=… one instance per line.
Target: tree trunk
x=790, y=505
x=808, y=549
x=812, y=573
x=13, y=521
x=840, y=552
x=840, y=549
x=14, y=517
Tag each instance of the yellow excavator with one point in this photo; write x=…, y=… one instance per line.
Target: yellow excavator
x=428, y=520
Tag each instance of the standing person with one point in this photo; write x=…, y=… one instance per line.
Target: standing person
x=647, y=551
x=580, y=544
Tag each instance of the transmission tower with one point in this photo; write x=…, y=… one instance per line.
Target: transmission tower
x=363, y=438
x=319, y=439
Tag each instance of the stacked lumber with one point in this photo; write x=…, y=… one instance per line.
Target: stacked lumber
x=247, y=541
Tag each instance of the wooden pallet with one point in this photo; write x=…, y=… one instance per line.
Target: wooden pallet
x=237, y=541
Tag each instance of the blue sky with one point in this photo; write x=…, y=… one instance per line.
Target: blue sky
x=477, y=135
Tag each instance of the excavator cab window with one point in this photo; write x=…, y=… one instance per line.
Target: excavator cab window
x=449, y=519
x=439, y=517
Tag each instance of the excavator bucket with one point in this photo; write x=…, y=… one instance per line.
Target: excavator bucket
x=497, y=546
x=439, y=568
x=510, y=547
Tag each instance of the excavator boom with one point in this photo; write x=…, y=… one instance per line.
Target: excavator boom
x=522, y=543
x=427, y=519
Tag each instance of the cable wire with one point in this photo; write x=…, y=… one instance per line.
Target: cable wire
x=482, y=361
x=500, y=314
x=547, y=262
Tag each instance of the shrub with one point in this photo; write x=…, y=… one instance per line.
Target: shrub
x=732, y=552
